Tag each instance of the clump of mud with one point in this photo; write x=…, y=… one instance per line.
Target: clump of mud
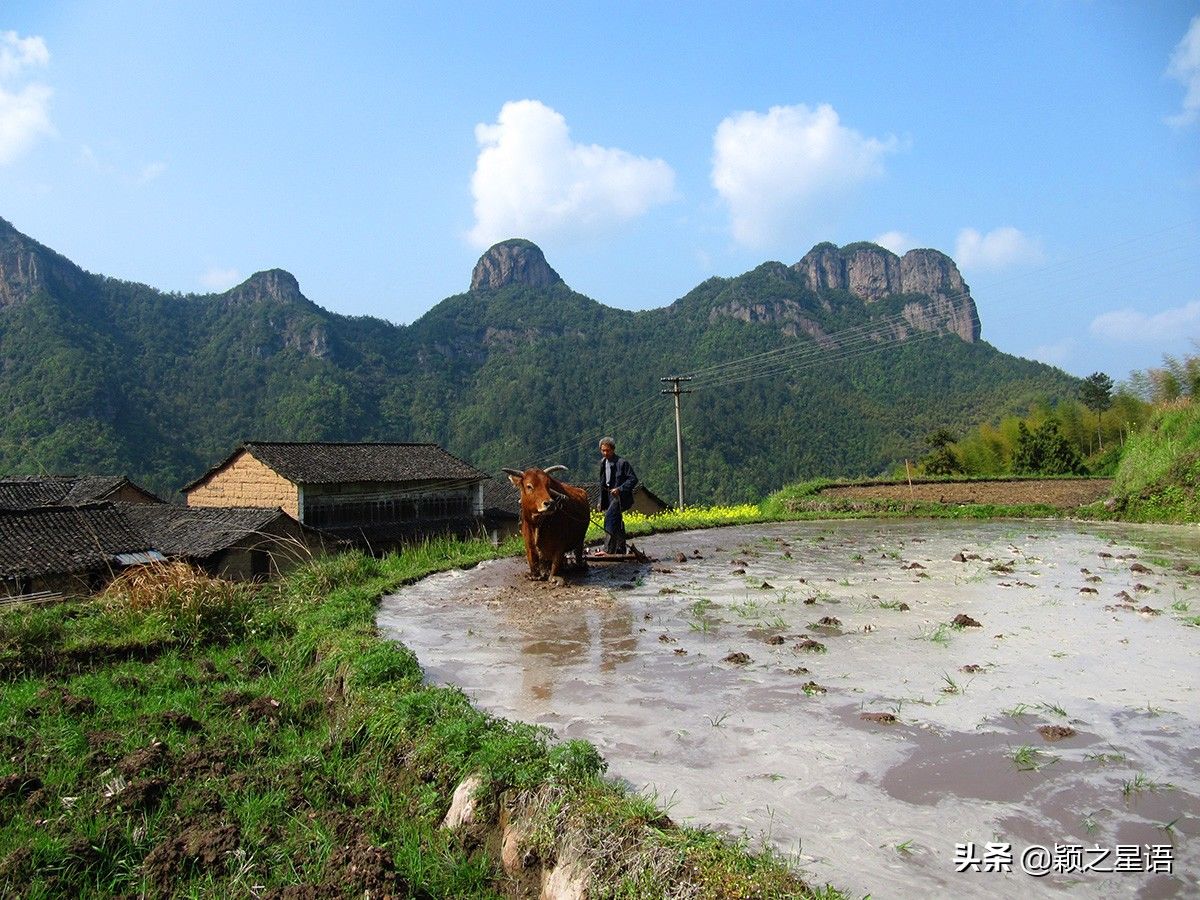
x=17, y=785
x=1056, y=732
x=962, y=620
x=880, y=718
x=738, y=658
x=193, y=849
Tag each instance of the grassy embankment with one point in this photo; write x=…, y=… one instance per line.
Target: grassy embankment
x=1158, y=477
x=180, y=736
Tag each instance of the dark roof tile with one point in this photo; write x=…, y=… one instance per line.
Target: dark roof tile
x=332, y=463
x=58, y=540
x=29, y=491
x=199, y=532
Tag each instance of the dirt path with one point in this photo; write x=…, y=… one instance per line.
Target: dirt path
x=1063, y=493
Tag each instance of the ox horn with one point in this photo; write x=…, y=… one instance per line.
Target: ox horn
x=553, y=469
x=513, y=472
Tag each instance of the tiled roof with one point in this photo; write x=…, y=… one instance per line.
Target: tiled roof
x=501, y=497
x=198, y=532
x=332, y=463
x=28, y=491
x=57, y=540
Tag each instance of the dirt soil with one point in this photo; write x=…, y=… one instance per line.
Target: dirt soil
x=1063, y=493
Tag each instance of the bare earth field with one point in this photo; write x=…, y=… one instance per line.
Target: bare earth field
x=804, y=683
x=1062, y=493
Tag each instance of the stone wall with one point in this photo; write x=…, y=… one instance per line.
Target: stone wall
x=246, y=482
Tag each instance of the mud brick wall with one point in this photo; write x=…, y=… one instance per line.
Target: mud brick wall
x=247, y=482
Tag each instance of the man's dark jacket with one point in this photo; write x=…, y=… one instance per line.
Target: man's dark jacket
x=623, y=479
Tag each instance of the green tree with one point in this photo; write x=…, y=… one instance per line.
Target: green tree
x=942, y=460
x=1044, y=451
x=1096, y=394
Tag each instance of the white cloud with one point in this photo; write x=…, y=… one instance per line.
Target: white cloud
x=1000, y=248
x=774, y=170
x=18, y=53
x=151, y=171
x=531, y=180
x=896, y=241
x=1056, y=354
x=217, y=279
x=24, y=117
x=1133, y=327
x=1185, y=68
x=24, y=111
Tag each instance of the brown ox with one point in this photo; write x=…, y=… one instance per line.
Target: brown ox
x=554, y=520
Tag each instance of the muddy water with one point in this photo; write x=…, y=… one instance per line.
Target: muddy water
x=640, y=661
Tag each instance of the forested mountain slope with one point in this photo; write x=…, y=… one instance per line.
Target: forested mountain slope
x=101, y=375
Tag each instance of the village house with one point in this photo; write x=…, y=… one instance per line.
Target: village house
x=30, y=491
x=71, y=534
x=376, y=495
x=241, y=544
x=67, y=550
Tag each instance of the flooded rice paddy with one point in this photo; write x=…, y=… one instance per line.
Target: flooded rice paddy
x=804, y=683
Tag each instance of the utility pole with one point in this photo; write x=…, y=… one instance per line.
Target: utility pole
x=676, y=392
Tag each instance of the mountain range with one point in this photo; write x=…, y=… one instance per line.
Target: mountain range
x=840, y=363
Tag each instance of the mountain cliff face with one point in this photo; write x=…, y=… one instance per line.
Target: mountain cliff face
x=874, y=274
x=513, y=261
x=105, y=375
x=27, y=267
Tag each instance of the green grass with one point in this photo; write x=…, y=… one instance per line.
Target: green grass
x=1031, y=759
x=1139, y=783
x=939, y=634
x=214, y=740
x=1158, y=478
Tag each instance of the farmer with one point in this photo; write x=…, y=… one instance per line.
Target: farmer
x=617, y=481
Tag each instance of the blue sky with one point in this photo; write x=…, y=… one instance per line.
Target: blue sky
x=374, y=150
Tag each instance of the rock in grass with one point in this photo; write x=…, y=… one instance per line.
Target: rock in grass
x=463, y=803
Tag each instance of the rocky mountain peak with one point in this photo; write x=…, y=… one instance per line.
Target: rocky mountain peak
x=515, y=261
x=874, y=273
x=272, y=284
x=27, y=267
